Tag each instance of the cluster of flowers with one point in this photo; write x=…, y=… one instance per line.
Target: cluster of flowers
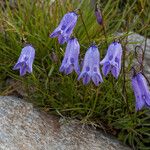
x=91, y=64
x=90, y=69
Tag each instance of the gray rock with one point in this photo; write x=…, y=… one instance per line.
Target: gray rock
x=24, y=128
x=136, y=39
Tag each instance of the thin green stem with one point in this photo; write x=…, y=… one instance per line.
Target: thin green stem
x=103, y=23
x=124, y=91
x=104, y=30
x=80, y=13
x=95, y=102
x=143, y=55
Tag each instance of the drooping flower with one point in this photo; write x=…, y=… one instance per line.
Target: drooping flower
x=65, y=28
x=25, y=60
x=141, y=91
x=91, y=66
x=112, y=60
x=98, y=15
x=70, y=61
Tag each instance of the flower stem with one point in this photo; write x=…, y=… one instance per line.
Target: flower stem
x=124, y=75
x=124, y=91
x=143, y=55
x=104, y=30
x=80, y=13
x=102, y=23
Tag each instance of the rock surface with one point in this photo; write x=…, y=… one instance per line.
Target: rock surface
x=136, y=39
x=24, y=128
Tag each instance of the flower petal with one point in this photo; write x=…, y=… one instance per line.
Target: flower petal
x=106, y=68
x=96, y=79
x=55, y=33
x=69, y=69
x=61, y=39
x=23, y=70
x=115, y=72
x=86, y=79
x=144, y=88
x=17, y=66
x=137, y=92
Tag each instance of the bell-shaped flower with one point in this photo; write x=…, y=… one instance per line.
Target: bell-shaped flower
x=70, y=61
x=91, y=66
x=112, y=60
x=25, y=60
x=141, y=91
x=65, y=28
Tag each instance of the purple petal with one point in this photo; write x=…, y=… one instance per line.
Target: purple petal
x=29, y=69
x=80, y=76
x=105, y=60
x=17, y=66
x=115, y=72
x=55, y=33
x=61, y=69
x=86, y=79
x=61, y=39
x=106, y=69
x=77, y=68
x=145, y=93
x=137, y=92
x=139, y=103
x=96, y=79
x=23, y=70
x=69, y=69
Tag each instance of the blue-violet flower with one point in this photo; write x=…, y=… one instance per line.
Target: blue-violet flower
x=91, y=66
x=70, y=61
x=141, y=91
x=65, y=28
x=98, y=15
x=112, y=60
x=25, y=60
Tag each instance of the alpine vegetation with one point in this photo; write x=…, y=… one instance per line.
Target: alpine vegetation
x=25, y=60
x=112, y=60
x=91, y=65
x=84, y=92
x=65, y=28
x=141, y=91
x=70, y=61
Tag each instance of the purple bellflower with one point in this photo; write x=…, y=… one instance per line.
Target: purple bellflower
x=112, y=60
x=65, y=28
x=25, y=60
x=141, y=91
x=70, y=61
x=91, y=66
x=98, y=15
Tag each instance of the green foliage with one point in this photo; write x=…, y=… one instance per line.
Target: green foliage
x=32, y=21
